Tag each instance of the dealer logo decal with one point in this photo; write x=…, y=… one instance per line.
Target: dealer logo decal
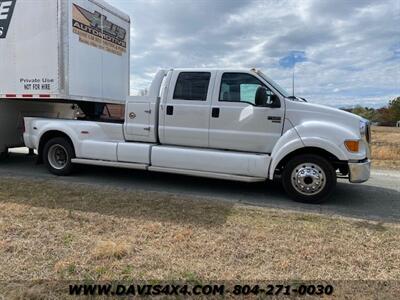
x=95, y=30
x=6, y=12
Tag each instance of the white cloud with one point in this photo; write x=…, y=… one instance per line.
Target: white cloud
x=352, y=47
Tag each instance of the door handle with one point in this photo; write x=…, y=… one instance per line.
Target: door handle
x=170, y=110
x=215, y=112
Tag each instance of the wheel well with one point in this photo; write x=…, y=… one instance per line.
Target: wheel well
x=336, y=162
x=47, y=137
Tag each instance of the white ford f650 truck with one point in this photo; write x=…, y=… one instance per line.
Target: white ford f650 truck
x=225, y=124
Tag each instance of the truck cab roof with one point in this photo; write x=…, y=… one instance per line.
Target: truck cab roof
x=213, y=70
x=254, y=71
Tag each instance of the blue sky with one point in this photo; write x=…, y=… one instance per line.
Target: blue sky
x=344, y=52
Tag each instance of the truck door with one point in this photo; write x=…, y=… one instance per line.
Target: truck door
x=237, y=121
x=185, y=111
x=137, y=120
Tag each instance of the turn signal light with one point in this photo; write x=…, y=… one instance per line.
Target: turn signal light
x=352, y=146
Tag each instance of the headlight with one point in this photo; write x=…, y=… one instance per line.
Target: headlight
x=363, y=128
x=365, y=131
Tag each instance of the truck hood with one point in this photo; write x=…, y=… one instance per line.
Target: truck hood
x=302, y=112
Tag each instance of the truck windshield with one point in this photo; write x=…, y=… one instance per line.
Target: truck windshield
x=280, y=89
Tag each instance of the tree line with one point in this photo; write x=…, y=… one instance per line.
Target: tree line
x=388, y=115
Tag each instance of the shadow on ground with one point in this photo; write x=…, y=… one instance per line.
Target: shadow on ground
x=145, y=206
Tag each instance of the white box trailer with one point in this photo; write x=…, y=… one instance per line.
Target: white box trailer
x=59, y=51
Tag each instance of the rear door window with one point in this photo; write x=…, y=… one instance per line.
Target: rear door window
x=192, y=86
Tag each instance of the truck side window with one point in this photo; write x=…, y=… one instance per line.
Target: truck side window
x=192, y=86
x=113, y=112
x=240, y=87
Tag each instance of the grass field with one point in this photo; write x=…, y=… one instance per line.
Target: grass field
x=50, y=231
x=386, y=147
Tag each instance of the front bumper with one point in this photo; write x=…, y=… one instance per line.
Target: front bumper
x=359, y=171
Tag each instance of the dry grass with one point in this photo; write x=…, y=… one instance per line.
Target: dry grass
x=112, y=234
x=50, y=231
x=110, y=249
x=386, y=147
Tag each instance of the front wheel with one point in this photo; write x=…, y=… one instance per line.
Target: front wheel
x=309, y=179
x=57, y=155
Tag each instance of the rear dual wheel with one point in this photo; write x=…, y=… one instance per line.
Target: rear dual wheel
x=309, y=179
x=57, y=155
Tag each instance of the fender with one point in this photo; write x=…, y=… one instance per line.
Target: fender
x=324, y=135
x=287, y=143
x=58, y=127
x=329, y=136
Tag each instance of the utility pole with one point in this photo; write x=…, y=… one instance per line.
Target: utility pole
x=293, y=79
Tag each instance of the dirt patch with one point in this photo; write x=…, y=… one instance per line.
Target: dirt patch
x=385, y=147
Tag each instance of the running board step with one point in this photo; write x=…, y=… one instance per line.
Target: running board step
x=222, y=176
x=195, y=173
x=105, y=163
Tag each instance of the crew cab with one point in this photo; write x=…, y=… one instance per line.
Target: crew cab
x=225, y=124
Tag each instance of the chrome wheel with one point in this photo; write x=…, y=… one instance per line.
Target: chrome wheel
x=57, y=156
x=308, y=179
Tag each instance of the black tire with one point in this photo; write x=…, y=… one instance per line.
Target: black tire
x=4, y=154
x=63, y=166
x=309, y=179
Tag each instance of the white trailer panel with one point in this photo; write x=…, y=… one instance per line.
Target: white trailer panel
x=29, y=51
x=65, y=49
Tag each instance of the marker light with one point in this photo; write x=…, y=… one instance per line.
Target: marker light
x=352, y=145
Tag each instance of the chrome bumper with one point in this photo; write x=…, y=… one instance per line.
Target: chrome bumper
x=359, y=171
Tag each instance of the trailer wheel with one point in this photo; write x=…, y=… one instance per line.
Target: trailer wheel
x=4, y=154
x=57, y=155
x=309, y=179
